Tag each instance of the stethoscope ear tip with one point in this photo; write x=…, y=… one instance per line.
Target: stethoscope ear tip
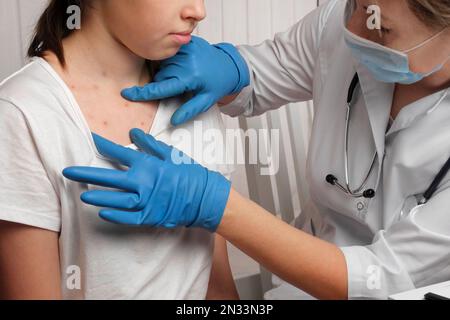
x=369, y=194
x=331, y=179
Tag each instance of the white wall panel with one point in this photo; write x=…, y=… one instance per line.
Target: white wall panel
x=29, y=11
x=10, y=38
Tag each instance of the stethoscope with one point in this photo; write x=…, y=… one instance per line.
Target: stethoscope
x=370, y=193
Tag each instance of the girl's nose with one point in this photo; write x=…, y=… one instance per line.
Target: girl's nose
x=195, y=11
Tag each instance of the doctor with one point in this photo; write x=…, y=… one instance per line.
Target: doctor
x=379, y=219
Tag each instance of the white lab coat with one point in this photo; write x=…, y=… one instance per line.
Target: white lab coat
x=386, y=252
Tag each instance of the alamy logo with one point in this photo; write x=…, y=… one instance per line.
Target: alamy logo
x=74, y=20
x=374, y=20
x=73, y=281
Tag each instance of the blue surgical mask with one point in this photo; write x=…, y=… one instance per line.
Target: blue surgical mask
x=386, y=64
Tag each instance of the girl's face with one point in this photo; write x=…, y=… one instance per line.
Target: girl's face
x=152, y=29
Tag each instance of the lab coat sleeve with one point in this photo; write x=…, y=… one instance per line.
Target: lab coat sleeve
x=282, y=70
x=26, y=194
x=414, y=252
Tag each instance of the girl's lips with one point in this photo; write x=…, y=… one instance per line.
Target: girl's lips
x=182, y=38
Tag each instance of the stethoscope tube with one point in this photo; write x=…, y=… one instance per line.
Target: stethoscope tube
x=331, y=179
x=436, y=182
x=370, y=193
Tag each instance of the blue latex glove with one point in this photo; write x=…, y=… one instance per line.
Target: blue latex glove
x=210, y=72
x=157, y=191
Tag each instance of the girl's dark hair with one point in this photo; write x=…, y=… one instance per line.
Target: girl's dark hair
x=52, y=28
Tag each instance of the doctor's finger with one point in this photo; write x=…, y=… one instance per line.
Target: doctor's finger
x=113, y=151
x=155, y=90
x=98, y=176
x=122, y=217
x=169, y=72
x=192, y=109
x=112, y=199
x=150, y=145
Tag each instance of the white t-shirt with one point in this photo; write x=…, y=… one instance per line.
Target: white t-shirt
x=44, y=131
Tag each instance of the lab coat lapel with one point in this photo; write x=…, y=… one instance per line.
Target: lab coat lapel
x=417, y=110
x=378, y=101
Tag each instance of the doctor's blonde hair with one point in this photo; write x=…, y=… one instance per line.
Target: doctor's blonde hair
x=434, y=13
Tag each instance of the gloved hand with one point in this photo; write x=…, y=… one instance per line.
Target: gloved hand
x=162, y=188
x=210, y=72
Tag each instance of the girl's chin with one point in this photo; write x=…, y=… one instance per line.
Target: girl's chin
x=164, y=52
x=169, y=52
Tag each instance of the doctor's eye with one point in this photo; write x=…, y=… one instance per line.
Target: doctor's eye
x=385, y=30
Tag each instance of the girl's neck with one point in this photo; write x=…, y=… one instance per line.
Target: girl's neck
x=94, y=55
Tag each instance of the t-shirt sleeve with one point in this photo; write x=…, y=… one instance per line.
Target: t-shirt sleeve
x=27, y=195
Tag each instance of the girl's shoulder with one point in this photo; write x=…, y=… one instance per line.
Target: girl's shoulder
x=34, y=104
x=35, y=90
